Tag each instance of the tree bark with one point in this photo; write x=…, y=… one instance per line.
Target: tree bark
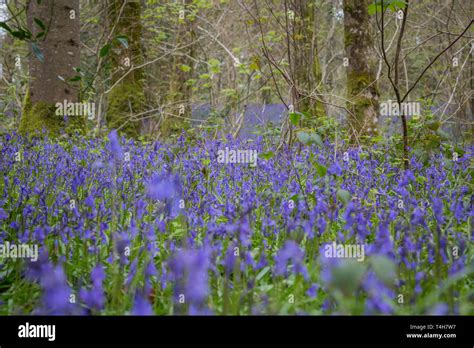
x=49, y=75
x=362, y=88
x=179, y=96
x=306, y=66
x=127, y=97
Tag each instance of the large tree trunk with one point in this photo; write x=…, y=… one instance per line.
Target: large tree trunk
x=127, y=98
x=49, y=75
x=361, y=76
x=306, y=66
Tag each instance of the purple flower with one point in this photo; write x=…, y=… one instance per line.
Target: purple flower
x=56, y=291
x=141, y=305
x=418, y=217
x=190, y=273
x=439, y=309
x=115, y=146
x=161, y=188
x=229, y=259
x=313, y=290
x=3, y=214
x=292, y=253
x=437, y=205
x=95, y=297
x=98, y=274
x=167, y=189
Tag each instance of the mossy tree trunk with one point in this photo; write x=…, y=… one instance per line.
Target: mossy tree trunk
x=362, y=88
x=126, y=100
x=306, y=67
x=52, y=60
x=179, y=106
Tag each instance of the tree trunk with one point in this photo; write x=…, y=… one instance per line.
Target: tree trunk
x=52, y=61
x=361, y=75
x=306, y=66
x=179, y=96
x=127, y=97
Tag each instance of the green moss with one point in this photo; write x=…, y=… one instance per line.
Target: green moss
x=360, y=91
x=125, y=99
x=40, y=116
x=358, y=81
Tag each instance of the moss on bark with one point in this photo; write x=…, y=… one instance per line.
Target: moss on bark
x=305, y=54
x=362, y=90
x=127, y=98
x=124, y=100
x=41, y=116
x=38, y=117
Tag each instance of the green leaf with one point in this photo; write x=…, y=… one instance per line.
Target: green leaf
x=75, y=78
x=37, y=52
x=421, y=179
x=104, y=50
x=295, y=198
x=265, y=287
x=343, y=195
x=215, y=69
x=373, y=8
x=185, y=67
x=123, y=40
x=213, y=62
x=309, y=138
x=214, y=66
x=40, y=23
x=295, y=118
x=267, y=155
x=315, y=138
x=22, y=34
x=303, y=137
x=6, y=27
x=321, y=170
x=253, y=66
x=393, y=5
x=260, y=274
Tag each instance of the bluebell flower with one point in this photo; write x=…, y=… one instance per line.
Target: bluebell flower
x=3, y=214
x=141, y=305
x=115, y=146
x=290, y=253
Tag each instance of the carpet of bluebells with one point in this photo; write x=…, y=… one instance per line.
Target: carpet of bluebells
x=142, y=228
